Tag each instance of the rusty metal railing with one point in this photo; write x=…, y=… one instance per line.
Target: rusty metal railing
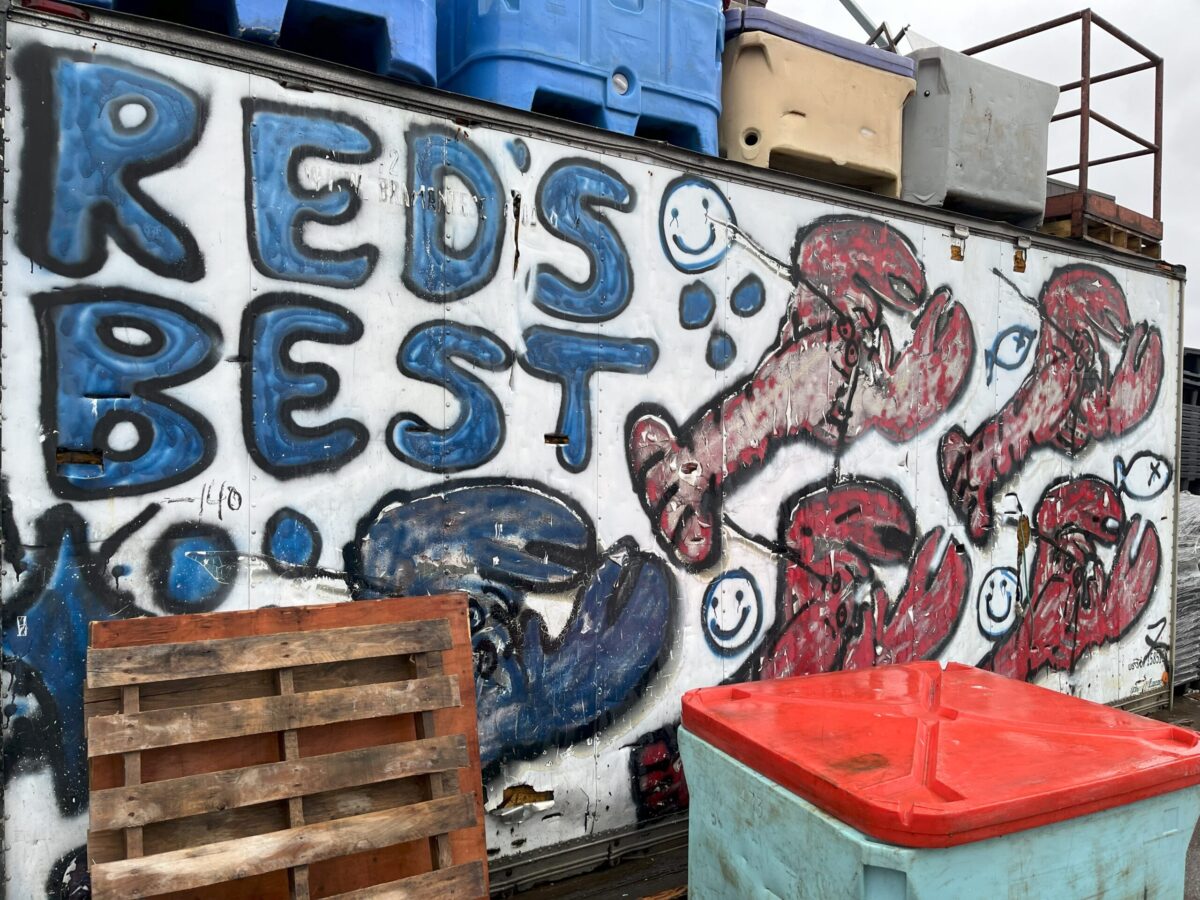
x=1084, y=85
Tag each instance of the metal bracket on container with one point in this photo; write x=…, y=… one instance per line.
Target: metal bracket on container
x=1023, y=245
x=958, y=242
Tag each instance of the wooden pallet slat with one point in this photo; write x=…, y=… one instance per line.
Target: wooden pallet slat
x=1100, y=220
x=290, y=742
x=192, y=724
x=192, y=795
x=197, y=867
x=456, y=883
x=132, y=763
x=429, y=665
x=286, y=752
x=172, y=662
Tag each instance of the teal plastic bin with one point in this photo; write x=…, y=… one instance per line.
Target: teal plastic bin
x=1056, y=820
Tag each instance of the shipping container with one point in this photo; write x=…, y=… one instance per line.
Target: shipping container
x=280, y=332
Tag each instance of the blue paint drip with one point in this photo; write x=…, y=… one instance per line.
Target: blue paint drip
x=748, y=297
x=697, y=304
x=568, y=202
x=571, y=359
x=59, y=595
x=722, y=351
x=478, y=433
x=278, y=142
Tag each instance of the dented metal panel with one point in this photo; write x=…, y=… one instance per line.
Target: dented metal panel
x=670, y=422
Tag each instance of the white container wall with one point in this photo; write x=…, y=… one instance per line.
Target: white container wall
x=274, y=346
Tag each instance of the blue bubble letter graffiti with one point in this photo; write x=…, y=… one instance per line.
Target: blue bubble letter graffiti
x=478, y=433
x=434, y=269
x=568, y=200
x=275, y=386
x=93, y=130
x=571, y=359
x=278, y=140
x=109, y=429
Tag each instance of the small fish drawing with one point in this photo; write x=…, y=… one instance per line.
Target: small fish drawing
x=1144, y=477
x=1010, y=349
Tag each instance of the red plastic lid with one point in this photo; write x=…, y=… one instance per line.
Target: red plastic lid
x=921, y=757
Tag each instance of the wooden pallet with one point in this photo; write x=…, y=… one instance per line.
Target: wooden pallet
x=1100, y=220
x=301, y=752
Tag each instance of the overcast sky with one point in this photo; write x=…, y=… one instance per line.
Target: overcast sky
x=1163, y=26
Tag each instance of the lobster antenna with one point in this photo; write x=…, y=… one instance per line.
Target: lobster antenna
x=737, y=236
x=1013, y=285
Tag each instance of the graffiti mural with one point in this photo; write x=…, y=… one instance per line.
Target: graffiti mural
x=501, y=542
x=833, y=611
x=1073, y=396
x=1073, y=602
x=270, y=346
x=832, y=375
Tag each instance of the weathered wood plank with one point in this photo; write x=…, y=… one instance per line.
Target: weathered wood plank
x=269, y=620
x=190, y=724
x=365, y=799
x=427, y=665
x=131, y=703
x=227, y=860
x=297, y=875
x=217, y=688
x=192, y=659
x=463, y=882
x=192, y=795
x=239, y=822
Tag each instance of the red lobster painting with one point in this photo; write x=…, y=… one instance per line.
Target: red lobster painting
x=833, y=374
x=1071, y=397
x=1074, y=604
x=834, y=613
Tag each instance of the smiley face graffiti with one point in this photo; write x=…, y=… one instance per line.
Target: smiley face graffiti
x=732, y=612
x=692, y=224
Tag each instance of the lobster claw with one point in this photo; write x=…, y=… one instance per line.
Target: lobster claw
x=855, y=264
x=837, y=613
x=1136, y=381
x=865, y=517
x=1084, y=296
x=1130, y=584
x=924, y=617
x=1088, y=505
x=1075, y=604
x=913, y=388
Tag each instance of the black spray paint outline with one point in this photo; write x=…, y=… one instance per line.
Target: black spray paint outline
x=39, y=163
x=250, y=107
x=150, y=390
x=287, y=300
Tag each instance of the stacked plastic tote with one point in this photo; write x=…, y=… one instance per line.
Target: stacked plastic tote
x=806, y=101
x=645, y=67
x=397, y=38
x=936, y=127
